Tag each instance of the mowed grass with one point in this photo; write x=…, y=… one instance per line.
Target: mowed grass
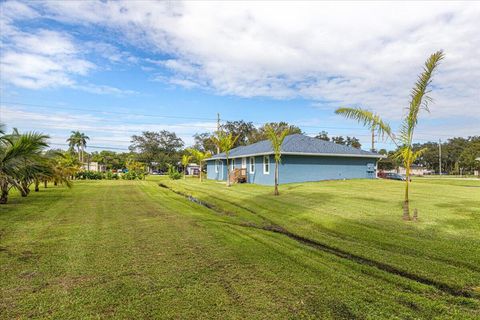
x=363, y=217
x=130, y=249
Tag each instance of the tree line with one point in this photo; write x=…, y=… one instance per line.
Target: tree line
x=457, y=156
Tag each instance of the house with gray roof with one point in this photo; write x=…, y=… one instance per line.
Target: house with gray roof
x=303, y=159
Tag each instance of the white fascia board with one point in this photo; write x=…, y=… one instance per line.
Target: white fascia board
x=380, y=156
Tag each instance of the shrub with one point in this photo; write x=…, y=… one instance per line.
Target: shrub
x=89, y=175
x=173, y=173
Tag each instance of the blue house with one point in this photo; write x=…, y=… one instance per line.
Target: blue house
x=303, y=159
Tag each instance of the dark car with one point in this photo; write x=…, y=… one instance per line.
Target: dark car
x=395, y=176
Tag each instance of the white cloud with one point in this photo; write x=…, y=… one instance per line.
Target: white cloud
x=104, y=130
x=348, y=52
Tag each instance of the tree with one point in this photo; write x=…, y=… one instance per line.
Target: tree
x=323, y=136
x=78, y=140
x=469, y=155
x=353, y=142
x=260, y=134
x=276, y=136
x=225, y=143
x=157, y=148
x=419, y=100
x=16, y=152
x=339, y=140
x=185, y=161
x=200, y=157
x=203, y=142
x=241, y=129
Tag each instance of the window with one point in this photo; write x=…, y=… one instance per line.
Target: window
x=266, y=164
x=216, y=166
x=233, y=164
x=252, y=165
x=244, y=163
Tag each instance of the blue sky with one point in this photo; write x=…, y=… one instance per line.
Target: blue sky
x=113, y=69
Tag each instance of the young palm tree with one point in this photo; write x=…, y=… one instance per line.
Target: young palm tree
x=225, y=143
x=419, y=100
x=185, y=161
x=276, y=137
x=367, y=118
x=200, y=157
x=16, y=152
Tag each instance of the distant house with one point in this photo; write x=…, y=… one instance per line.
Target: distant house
x=93, y=166
x=303, y=159
x=414, y=170
x=193, y=169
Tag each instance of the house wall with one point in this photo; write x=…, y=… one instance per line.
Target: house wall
x=302, y=168
x=222, y=170
x=311, y=168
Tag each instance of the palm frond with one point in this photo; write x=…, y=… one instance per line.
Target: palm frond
x=367, y=118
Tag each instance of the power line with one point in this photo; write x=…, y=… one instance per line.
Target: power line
x=185, y=118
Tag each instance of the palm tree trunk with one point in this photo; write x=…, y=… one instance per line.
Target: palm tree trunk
x=4, y=194
x=276, y=179
x=37, y=183
x=406, y=205
x=200, y=173
x=184, y=172
x=45, y=183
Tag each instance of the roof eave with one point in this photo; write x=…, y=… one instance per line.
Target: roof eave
x=379, y=156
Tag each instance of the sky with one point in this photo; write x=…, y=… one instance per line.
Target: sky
x=115, y=69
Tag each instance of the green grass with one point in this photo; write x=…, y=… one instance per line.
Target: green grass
x=130, y=249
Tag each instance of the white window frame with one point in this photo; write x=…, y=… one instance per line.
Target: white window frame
x=232, y=164
x=244, y=163
x=216, y=165
x=251, y=165
x=266, y=165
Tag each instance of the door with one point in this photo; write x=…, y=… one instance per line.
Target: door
x=244, y=163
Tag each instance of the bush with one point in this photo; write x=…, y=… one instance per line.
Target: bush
x=173, y=173
x=89, y=175
x=109, y=175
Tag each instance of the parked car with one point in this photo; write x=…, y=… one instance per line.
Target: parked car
x=394, y=176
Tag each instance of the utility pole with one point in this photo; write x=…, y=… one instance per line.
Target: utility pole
x=373, y=139
x=440, y=156
x=218, y=130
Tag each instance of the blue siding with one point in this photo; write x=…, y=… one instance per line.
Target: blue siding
x=300, y=169
x=222, y=170
x=315, y=168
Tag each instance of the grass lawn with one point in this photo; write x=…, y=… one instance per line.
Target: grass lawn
x=131, y=249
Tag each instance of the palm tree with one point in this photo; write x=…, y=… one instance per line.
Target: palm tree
x=78, y=140
x=74, y=142
x=225, y=143
x=276, y=137
x=83, y=143
x=185, y=161
x=367, y=118
x=419, y=100
x=200, y=157
x=19, y=158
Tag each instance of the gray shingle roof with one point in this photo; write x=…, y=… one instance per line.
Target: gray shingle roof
x=301, y=145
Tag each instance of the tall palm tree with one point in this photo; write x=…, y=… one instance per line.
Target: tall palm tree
x=419, y=100
x=276, y=137
x=18, y=151
x=225, y=143
x=74, y=142
x=185, y=161
x=83, y=143
x=200, y=157
x=78, y=140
